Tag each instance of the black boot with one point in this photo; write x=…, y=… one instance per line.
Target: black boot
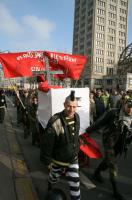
x=98, y=177
x=97, y=174
x=117, y=195
x=49, y=186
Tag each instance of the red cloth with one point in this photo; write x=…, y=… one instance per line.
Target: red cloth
x=89, y=147
x=71, y=65
x=45, y=87
x=23, y=63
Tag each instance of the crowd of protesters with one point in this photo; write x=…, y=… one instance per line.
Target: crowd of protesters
x=101, y=102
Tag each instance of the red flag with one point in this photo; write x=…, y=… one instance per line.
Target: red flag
x=45, y=87
x=22, y=63
x=89, y=147
x=71, y=65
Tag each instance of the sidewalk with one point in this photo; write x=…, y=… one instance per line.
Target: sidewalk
x=15, y=181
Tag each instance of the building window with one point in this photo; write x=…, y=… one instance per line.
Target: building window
x=100, y=27
x=101, y=3
x=123, y=3
x=99, y=35
x=100, y=19
x=112, y=7
x=110, y=71
x=98, y=69
x=109, y=81
x=100, y=11
x=98, y=81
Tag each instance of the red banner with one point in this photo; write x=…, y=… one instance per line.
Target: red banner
x=71, y=65
x=23, y=63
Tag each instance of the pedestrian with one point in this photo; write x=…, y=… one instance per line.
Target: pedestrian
x=33, y=117
x=99, y=104
x=3, y=105
x=60, y=146
x=116, y=126
x=25, y=117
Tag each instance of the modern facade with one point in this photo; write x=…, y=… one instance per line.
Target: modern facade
x=100, y=33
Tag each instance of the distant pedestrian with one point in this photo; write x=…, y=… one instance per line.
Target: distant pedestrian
x=3, y=105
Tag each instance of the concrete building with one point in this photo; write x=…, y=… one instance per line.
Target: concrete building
x=100, y=33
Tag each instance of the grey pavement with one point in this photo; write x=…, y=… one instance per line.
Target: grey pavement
x=15, y=180
x=23, y=173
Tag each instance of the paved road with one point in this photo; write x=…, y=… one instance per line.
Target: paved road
x=39, y=174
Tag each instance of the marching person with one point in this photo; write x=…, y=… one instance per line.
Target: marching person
x=116, y=126
x=3, y=105
x=25, y=116
x=34, y=127
x=60, y=146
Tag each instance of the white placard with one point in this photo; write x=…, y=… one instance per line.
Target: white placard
x=53, y=102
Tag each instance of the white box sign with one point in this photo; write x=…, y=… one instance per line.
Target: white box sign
x=53, y=102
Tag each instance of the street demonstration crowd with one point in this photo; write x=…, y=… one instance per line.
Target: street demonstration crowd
x=110, y=112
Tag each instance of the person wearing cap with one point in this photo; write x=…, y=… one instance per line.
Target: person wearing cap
x=116, y=127
x=60, y=146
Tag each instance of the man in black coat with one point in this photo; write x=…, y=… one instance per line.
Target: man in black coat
x=60, y=146
x=116, y=126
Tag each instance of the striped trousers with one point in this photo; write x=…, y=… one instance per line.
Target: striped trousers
x=72, y=174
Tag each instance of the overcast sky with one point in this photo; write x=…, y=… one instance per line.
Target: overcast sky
x=40, y=25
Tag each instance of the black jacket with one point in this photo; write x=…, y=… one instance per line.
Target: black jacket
x=57, y=142
x=115, y=133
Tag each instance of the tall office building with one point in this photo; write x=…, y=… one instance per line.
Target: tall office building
x=100, y=33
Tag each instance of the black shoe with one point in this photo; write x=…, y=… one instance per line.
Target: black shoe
x=119, y=196
x=97, y=176
x=49, y=186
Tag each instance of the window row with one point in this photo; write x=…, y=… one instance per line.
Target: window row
x=112, y=15
x=112, y=31
x=109, y=61
x=100, y=19
x=121, y=48
x=109, y=81
x=111, y=54
x=98, y=81
x=100, y=11
x=123, y=34
x=121, y=41
x=101, y=3
x=111, y=46
x=100, y=35
x=123, y=3
x=99, y=43
x=112, y=7
x=110, y=71
x=111, y=38
x=122, y=26
x=100, y=27
x=99, y=52
x=99, y=60
x=112, y=23
x=123, y=11
x=124, y=19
